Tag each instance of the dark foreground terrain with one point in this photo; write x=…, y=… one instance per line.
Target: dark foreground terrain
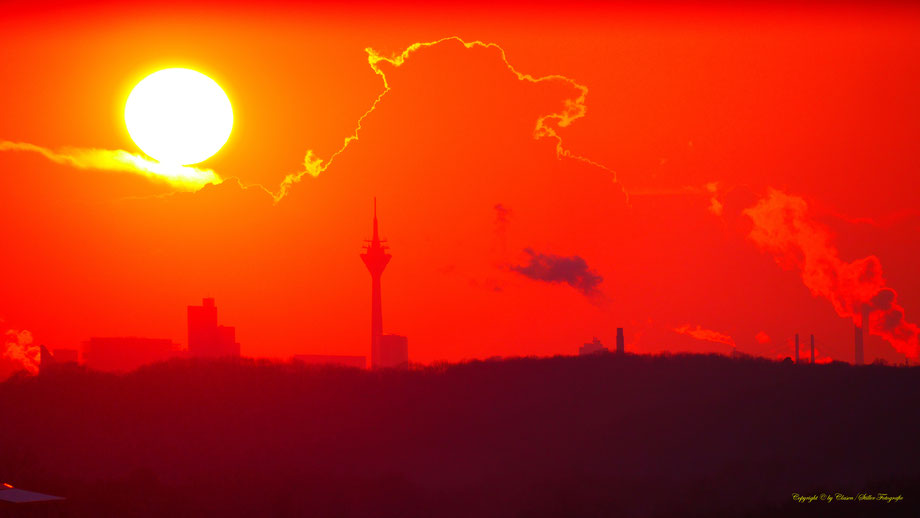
x=592, y=436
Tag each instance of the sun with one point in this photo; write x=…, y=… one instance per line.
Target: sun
x=178, y=116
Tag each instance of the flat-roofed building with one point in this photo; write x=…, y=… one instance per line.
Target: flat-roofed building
x=394, y=352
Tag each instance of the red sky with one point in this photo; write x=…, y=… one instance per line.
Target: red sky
x=812, y=115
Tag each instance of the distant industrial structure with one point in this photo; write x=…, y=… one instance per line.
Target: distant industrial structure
x=812, y=349
x=206, y=339
x=386, y=350
x=593, y=347
x=860, y=331
x=596, y=347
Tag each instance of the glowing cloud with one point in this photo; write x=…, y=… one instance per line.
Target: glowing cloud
x=546, y=126
x=707, y=335
x=182, y=177
x=783, y=227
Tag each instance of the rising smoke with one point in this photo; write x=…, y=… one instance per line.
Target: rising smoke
x=18, y=350
x=783, y=227
x=708, y=335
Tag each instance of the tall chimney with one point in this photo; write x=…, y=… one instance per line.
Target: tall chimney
x=620, y=346
x=860, y=336
x=812, y=349
x=796, y=348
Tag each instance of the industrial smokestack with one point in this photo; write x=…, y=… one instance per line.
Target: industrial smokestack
x=858, y=338
x=620, y=346
x=860, y=335
x=796, y=348
x=812, y=349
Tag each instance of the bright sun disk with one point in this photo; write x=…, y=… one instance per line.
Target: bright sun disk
x=178, y=116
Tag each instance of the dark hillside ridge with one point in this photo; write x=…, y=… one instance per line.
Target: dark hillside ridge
x=606, y=435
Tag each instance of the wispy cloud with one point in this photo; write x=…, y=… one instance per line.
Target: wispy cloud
x=708, y=335
x=181, y=177
x=546, y=126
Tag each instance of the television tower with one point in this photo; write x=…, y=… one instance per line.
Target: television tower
x=375, y=258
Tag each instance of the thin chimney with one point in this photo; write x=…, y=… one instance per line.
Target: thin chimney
x=796, y=348
x=812, y=349
x=620, y=346
x=860, y=336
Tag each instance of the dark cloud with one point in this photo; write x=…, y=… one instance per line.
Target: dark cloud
x=572, y=270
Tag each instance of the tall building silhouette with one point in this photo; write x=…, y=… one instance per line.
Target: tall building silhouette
x=375, y=259
x=621, y=347
x=812, y=349
x=205, y=337
x=796, y=348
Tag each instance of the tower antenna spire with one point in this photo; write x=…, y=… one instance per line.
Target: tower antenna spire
x=375, y=258
x=376, y=238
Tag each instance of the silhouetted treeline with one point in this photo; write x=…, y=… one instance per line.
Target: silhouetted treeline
x=609, y=435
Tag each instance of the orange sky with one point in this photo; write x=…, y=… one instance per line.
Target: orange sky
x=819, y=104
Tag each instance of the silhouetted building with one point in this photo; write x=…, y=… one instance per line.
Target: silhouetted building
x=593, y=347
x=205, y=337
x=812, y=349
x=796, y=348
x=66, y=355
x=332, y=359
x=393, y=352
x=375, y=259
x=60, y=356
x=45, y=359
x=621, y=345
x=121, y=354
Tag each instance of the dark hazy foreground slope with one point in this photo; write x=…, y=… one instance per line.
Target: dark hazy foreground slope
x=596, y=436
